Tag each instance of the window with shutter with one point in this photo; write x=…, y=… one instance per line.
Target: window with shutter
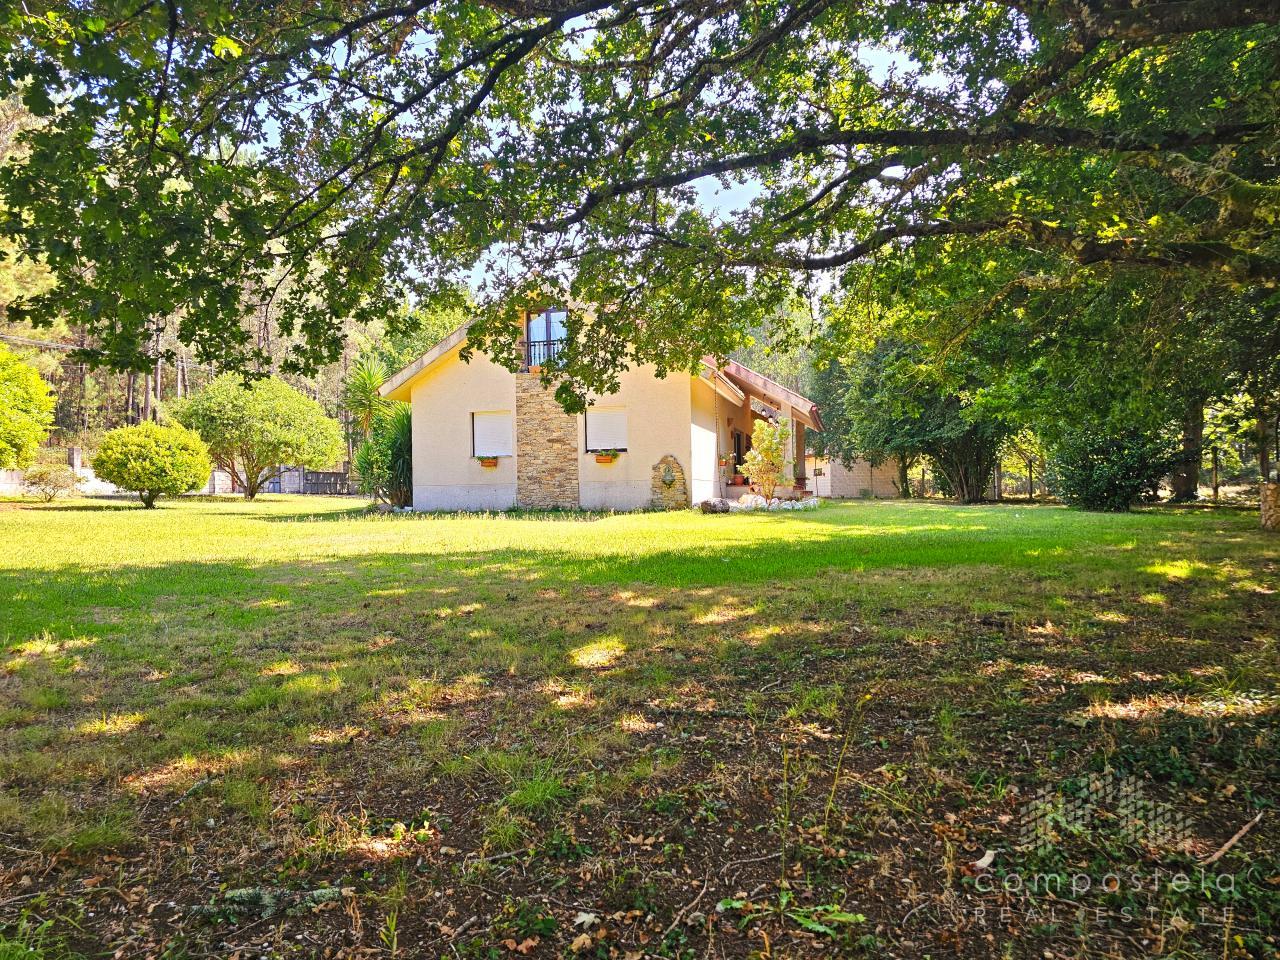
x=491, y=433
x=606, y=428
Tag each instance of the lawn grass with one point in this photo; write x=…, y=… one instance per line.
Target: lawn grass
x=294, y=726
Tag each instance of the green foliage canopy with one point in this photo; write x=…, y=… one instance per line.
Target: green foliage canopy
x=208, y=159
x=26, y=410
x=255, y=429
x=153, y=460
x=889, y=399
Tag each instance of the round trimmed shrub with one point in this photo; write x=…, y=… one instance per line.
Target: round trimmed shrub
x=153, y=460
x=1109, y=469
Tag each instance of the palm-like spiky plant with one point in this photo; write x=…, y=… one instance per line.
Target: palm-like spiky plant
x=360, y=394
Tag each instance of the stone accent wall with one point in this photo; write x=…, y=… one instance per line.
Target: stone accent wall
x=1271, y=506
x=546, y=448
x=673, y=495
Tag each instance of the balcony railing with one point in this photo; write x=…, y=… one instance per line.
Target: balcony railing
x=538, y=353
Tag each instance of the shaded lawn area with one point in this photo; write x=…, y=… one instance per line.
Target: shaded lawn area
x=292, y=728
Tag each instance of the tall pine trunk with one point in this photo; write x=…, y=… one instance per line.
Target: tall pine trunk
x=1186, y=475
x=155, y=408
x=1264, y=446
x=128, y=398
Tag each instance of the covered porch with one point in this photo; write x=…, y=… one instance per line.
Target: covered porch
x=748, y=396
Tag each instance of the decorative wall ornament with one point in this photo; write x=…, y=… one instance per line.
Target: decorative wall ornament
x=668, y=487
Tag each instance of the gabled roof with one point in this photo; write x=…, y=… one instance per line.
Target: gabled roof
x=397, y=386
x=733, y=378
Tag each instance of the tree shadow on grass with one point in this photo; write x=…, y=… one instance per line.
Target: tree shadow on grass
x=314, y=704
x=201, y=626
x=87, y=505
x=266, y=507
x=186, y=640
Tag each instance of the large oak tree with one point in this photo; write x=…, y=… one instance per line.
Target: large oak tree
x=199, y=157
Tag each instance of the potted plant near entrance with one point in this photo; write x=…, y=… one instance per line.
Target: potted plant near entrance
x=607, y=456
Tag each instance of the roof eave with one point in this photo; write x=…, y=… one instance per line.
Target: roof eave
x=399, y=386
x=760, y=384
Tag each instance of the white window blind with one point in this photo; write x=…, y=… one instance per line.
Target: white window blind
x=606, y=428
x=491, y=433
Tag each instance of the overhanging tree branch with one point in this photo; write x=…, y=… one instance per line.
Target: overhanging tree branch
x=813, y=141
x=1144, y=22
x=1241, y=265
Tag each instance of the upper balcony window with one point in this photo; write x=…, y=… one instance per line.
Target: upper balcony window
x=544, y=332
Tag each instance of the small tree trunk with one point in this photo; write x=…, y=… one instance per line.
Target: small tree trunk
x=256, y=478
x=904, y=479
x=960, y=478
x=237, y=484
x=1217, y=461
x=84, y=396
x=252, y=481
x=148, y=498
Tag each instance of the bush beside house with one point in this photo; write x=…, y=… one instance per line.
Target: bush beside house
x=384, y=462
x=766, y=462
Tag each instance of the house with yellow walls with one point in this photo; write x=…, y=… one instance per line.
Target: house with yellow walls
x=487, y=438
